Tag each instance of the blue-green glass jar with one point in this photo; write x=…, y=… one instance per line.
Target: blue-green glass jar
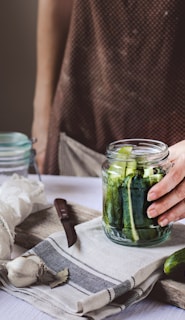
x=15, y=154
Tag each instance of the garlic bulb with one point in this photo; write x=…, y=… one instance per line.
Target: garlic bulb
x=27, y=270
x=23, y=271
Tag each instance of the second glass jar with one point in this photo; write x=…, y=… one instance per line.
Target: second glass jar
x=132, y=167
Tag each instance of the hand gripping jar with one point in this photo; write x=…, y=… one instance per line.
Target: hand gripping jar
x=132, y=167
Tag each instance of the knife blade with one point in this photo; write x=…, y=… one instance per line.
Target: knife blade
x=66, y=220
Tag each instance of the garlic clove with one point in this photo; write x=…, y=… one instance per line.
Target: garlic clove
x=22, y=271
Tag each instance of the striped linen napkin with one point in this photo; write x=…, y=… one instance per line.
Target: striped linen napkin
x=104, y=277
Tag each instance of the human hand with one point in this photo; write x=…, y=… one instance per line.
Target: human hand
x=168, y=196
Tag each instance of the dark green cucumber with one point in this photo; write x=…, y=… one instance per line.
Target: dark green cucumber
x=112, y=212
x=129, y=228
x=136, y=224
x=175, y=264
x=139, y=191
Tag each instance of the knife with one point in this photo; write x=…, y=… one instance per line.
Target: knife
x=66, y=220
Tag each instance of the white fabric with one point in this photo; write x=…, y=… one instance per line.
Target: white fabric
x=100, y=271
x=87, y=192
x=75, y=159
x=19, y=197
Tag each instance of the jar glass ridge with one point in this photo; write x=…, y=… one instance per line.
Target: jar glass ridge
x=132, y=167
x=15, y=153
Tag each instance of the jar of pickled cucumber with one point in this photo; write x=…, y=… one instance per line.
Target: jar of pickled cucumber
x=132, y=167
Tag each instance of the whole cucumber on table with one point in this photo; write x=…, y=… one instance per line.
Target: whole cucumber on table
x=174, y=266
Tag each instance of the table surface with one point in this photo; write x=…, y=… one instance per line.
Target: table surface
x=88, y=192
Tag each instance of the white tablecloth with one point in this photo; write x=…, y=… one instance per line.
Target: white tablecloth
x=87, y=192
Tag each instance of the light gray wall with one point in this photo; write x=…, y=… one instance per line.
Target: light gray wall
x=17, y=64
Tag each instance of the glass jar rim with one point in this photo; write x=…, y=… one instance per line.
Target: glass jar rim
x=149, y=150
x=14, y=139
x=14, y=144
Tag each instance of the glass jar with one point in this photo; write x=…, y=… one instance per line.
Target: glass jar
x=15, y=154
x=132, y=167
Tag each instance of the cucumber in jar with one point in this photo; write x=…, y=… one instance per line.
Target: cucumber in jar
x=125, y=197
x=136, y=224
x=112, y=211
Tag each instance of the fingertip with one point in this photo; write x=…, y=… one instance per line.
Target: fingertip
x=164, y=222
x=151, y=196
